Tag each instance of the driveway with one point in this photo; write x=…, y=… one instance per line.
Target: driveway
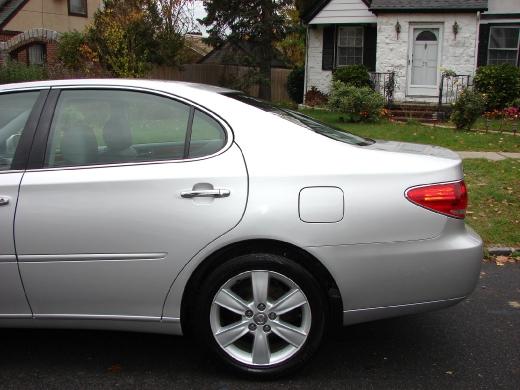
x=474, y=345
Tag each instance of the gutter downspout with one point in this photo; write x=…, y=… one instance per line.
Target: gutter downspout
x=477, y=43
x=305, y=79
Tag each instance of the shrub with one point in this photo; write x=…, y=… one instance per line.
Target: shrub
x=295, y=82
x=467, y=109
x=314, y=97
x=58, y=71
x=356, y=75
x=512, y=113
x=357, y=104
x=14, y=72
x=69, y=49
x=500, y=84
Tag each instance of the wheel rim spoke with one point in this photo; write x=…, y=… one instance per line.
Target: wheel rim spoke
x=249, y=337
x=229, y=300
x=231, y=333
x=289, y=301
x=261, y=350
x=289, y=333
x=260, y=282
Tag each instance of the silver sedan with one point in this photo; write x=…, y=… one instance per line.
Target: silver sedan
x=179, y=208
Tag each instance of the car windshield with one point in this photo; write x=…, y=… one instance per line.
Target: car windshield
x=302, y=120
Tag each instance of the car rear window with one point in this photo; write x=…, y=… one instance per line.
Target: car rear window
x=302, y=120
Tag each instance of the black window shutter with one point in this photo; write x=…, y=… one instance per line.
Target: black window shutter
x=369, y=47
x=483, y=40
x=329, y=41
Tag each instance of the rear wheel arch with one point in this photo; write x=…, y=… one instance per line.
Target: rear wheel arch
x=274, y=247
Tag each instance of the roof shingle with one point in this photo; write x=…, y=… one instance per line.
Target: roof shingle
x=419, y=5
x=7, y=10
x=408, y=6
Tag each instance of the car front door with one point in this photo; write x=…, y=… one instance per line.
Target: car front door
x=130, y=187
x=19, y=112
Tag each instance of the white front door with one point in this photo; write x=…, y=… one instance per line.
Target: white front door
x=423, y=69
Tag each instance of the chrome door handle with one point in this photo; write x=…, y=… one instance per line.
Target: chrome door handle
x=4, y=200
x=205, y=194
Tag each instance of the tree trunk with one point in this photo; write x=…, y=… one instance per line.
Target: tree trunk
x=265, y=72
x=266, y=50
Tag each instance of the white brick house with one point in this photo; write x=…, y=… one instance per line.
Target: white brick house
x=415, y=40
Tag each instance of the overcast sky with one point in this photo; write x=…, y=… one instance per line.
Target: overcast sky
x=200, y=13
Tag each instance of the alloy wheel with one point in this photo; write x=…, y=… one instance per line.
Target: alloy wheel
x=260, y=318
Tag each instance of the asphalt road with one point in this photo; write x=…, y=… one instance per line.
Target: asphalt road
x=474, y=345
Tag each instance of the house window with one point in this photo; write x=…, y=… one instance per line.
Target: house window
x=350, y=46
x=503, y=45
x=78, y=7
x=36, y=54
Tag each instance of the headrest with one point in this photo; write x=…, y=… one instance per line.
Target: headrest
x=117, y=133
x=79, y=145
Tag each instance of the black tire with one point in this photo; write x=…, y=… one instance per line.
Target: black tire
x=200, y=312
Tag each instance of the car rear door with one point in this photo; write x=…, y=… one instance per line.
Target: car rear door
x=126, y=188
x=19, y=113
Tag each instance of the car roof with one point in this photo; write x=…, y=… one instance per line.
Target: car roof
x=163, y=85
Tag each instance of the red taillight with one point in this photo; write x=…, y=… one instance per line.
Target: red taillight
x=450, y=199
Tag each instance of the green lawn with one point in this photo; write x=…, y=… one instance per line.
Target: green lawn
x=449, y=138
x=494, y=187
x=494, y=200
x=497, y=125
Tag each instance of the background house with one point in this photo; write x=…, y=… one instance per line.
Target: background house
x=29, y=29
x=194, y=48
x=411, y=39
x=499, y=38
x=243, y=53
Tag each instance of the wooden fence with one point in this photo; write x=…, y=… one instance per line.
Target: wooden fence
x=224, y=76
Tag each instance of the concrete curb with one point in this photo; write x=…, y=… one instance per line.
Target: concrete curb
x=491, y=156
x=502, y=251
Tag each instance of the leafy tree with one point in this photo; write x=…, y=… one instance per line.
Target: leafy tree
x=293, y=45
x=261, y=22
x=122, y=36
x=303, y=6
x=130, y=35
x=171, y=20
x=75, y=53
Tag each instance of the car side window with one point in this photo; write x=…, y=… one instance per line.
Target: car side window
x=15, y=109
x=96, y=127
x=207, y=136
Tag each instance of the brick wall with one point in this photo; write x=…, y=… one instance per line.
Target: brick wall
x=16, y=46
x=52, y=52
x=6, y=35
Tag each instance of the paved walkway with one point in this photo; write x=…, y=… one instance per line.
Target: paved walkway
x=492, y=156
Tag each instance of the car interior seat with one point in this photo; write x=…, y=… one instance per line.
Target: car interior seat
x=79, y=145
x=118, y=138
